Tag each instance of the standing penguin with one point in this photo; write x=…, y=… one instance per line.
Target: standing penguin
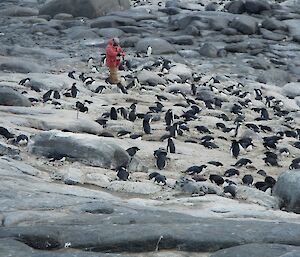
x=235, y=148
x=149, y=51
x=171, y=145
x=113, y=113
x=146, y=124
x=169, y=117
x=132, y=113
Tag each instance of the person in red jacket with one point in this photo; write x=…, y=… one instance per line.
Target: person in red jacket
x=114, y=53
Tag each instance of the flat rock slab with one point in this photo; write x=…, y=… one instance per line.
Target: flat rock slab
x=159, y=46
x=88, y=149
x=266, y=250
x=85, y=8
x=292, y=89
x=11, y=97
x=207, y=235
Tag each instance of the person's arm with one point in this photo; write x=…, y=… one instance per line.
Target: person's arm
x=121, y=51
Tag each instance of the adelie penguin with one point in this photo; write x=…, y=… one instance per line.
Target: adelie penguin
x=247, y=180
x=132, y=151
x=146, y=124
x=113, y=113
x=158, y=178
x=171, y=146
x=235, y=149
x=216, y=179
x=132, y=113
x=195, y=169
x=122, y=173
x=169, y=117
x=71, y=74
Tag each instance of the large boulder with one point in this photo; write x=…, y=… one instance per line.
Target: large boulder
x=256, y=6
x=266, y=250
x=181, y=70
x=88, y=149
x=273, y=24
x=159, y=46
x=288, y=191
x=274, y=76
x=236, y=7
x=151, y=77
x=209, y=50
x=292, y=89
x=244, y=24
x=10, y=97
x=84, y=8
x=111, y=21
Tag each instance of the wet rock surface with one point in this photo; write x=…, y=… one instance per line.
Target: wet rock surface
x=218, y=76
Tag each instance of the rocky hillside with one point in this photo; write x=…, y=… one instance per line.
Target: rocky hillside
x=196, y=152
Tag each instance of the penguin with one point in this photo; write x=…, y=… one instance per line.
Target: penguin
x=23, y=82
x=88, y=81
x=262, y=173
x=235, y=149
x=247, y=180
x=71, y=74
x=160, y=179
x=242, y=162
x=265, y=129
x=132, y=113
x=122, y=88
x=81, y=108
x=132, y=151
x=161, y=160
x=74, y=90
x=231, y=172
x=99, y=89
x=194, y=89
x=253, y=127
x=22, y=139
x=146, y=124
x=171, y=145
x=284, y=152
x=5, y=133
x=56, y=94
x=230, y=189
x=195, y=169
x=122, y=173
x=161, y=98
x=123, y=112
x=149, y=51
x=123, y=133
x=113, y=113
x=215, y=163
x=169, y=117
x=209, y=144
x=203, y=129
x=90, y=62
x=216, y=179
x=81, y=77
x=47, y=95
x=258, y=94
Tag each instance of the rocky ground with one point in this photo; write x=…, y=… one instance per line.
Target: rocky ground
x=225, y=66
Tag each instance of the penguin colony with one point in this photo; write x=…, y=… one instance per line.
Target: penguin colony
x=241, y=126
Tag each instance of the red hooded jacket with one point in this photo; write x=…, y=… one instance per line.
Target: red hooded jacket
x=112, y=52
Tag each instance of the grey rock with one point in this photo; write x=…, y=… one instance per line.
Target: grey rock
x=241, y=47
x=135, y=15
x=133, y=29
x=87, y=149
x=276, y=76
x=273, y=24
x=170, y=10
x=189, y=53
x=236, y=7
x=229, y=31
x=111, y=21
x=11, y=97
x=267, y=34
x=129, y=41
x=287, y=190
x=211, y=7
x=296, y=38
x=291, y=89
x=259, y=63
x=181, y=70
x=20, y=65
x=209, y=50
x=218, y=23
x=9, y=150
x=159, y=46
x=63, y=16
x=266, y=250
x=293, y=27
x=110, y=32
x=256, y=6
x=83, y=8
x=148, y=76
x=244, y=24
x=45, y=29
x=19, y=11
x=82, y=33
x=182, y=40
